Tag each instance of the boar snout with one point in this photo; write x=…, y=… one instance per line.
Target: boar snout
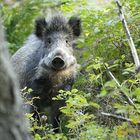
x=58, y=63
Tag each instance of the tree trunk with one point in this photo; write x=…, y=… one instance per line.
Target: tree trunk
x=13, y=125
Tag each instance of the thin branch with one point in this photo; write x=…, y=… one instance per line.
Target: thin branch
x=128, y=99
x=116, y=117
x=112, y=76
x=120, y=118
x=130, y=40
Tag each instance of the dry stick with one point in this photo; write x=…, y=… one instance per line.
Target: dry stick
x=130, y=40
x=119, y=117
x=128, y=99
x=116, y=116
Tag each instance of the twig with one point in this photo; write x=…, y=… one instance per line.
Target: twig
x=112, y=76
x=128, y=99
x=116, y=116
x=119, y=117
x=130, y=40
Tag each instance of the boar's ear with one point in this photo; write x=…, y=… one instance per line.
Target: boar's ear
x=40, y=25
x=75, y=23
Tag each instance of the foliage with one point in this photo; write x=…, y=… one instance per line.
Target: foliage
x=98, y=106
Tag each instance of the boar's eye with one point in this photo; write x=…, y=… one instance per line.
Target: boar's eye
x=67, y=41
x=49, y=41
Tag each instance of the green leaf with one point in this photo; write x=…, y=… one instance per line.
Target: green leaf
x=111, y=84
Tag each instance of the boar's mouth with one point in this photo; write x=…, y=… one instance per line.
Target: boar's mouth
x=51, y=68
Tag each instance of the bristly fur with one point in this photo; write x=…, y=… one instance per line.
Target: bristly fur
x=58, y=77
x=58, y=23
